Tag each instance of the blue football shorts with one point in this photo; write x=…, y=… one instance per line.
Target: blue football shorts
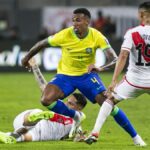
x=88, y=84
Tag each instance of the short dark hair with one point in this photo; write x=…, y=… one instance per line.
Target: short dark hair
x=84, y=11
x=145, y=5
x=81, y=100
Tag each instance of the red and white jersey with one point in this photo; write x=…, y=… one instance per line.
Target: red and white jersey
x=52, y=129
x=137, y=42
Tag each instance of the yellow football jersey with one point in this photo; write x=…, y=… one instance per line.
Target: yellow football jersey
x=77, y=54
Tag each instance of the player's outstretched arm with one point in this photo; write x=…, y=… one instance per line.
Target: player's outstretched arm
x=119, y=68
x=33, y=51
x=37, y=74
x=111, y=59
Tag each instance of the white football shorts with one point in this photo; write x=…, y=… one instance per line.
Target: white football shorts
x=126, y=90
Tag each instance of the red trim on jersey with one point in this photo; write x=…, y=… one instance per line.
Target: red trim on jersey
x=61, y=119
x=136, y=85
x=137, y=39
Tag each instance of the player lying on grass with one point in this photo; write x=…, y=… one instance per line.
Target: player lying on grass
x=136, y=82
x=38, y=125
x=117, y=113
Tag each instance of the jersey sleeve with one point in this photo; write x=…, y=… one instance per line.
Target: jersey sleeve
x=102, y=42
x=56, y=39
x=127, y=43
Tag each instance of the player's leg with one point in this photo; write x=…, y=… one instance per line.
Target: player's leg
x=126, y=91
x=64, y=83
x=51, y=94
x=123, y=91
x=42, y=131
x=50, y=100
x=119, y=117
x=59, y=82
x=58, y=88
x=31, y=135
x=91, y=87
x=125, y=123
x=8, y=139
x=65, y=110
x=118, y=114
x=34, y=116
x=21, y=123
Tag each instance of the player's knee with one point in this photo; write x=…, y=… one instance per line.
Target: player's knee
x=112, y=99
x=51, y=94
x=45, y=101
x=100, y=98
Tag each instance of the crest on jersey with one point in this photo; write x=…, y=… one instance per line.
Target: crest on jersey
x=88, y=50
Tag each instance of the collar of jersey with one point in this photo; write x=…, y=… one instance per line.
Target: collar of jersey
x=74, y=34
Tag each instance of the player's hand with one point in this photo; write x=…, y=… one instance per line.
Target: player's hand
x=93, y=68
x=112, y=86
x=110, y=89
x=25, y=63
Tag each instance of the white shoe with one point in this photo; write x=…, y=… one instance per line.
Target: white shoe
x=76, y=124
x=138, y=141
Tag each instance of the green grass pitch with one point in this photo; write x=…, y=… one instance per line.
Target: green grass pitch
x=19, y=91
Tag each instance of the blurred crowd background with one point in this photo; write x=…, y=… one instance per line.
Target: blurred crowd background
x=24, y=22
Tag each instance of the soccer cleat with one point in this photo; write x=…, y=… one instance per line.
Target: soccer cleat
x=91, y=138
x=138, y=141
x=6, y=139
x=76, y=124
x=33, y=117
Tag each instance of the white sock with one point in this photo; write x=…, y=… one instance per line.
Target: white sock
x=104, y=112
x=138, y=141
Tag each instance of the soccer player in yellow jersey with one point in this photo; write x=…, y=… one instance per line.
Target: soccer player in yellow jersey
x=76, y=69
x=79, y=44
